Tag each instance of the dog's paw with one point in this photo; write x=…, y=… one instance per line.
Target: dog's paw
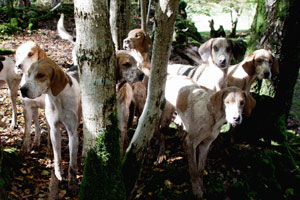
x=36, y=141
x=26, y=147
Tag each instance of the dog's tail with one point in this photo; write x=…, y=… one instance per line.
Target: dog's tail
x=62, y=31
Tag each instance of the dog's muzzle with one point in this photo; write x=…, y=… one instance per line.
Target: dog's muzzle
x=24, y=91
x=19, y=69
x=126, y=44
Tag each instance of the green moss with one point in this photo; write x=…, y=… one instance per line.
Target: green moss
x=102, y=178
x=282, y=7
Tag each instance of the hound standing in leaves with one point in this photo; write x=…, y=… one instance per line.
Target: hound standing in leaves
x=62, y=108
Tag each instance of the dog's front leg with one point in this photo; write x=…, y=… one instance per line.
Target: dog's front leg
x=37, y=137
x=55, y=135
x=195, y=176
x=13, y=92
x=26, y=146
x=73, y=150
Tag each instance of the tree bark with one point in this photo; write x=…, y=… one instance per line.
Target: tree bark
x=96, y=62
x=143, y=5
x=54, y=2
x=275, y=27
x=119, y=21
x=165, y=16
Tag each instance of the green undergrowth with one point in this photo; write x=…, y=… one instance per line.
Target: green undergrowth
x=29, y=18
x=102, y=178
x=6, y=52
x=246, y=172
x=9, y=163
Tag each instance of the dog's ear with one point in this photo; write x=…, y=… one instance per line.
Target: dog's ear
x=248, y=64
x=249, y=104
x=217, y=100
x=205, y=49
x=42, y=54
x=59, y=80
x=275, y=66
x=117, y=68
x=147, y=44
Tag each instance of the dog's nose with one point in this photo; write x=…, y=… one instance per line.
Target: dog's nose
x=20, y=66
x=237, y=119
x=267, y=74
x=141, y=76
x=222, y=61
x=24, y=91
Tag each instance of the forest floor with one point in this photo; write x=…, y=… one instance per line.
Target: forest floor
x=168, y=180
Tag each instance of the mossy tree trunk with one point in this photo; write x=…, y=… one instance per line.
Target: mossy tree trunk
x=165, y=16
x=275, y=27
x=102, y=177
x=119, y=21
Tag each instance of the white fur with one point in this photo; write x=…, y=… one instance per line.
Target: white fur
x=8, y=75
x=31, y=106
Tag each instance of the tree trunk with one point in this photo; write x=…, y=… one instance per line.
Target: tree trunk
x=54, y=2
x=143, y=5
x=96, y=61
x=165, y=16
x=275, y=27
x=23, y=3
x=119, y=21
x=148, y=12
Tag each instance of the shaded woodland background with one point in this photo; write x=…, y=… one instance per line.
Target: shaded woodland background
x=259, y=165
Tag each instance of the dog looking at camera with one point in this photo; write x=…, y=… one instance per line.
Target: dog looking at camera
x=260, y=64
x=203, y=112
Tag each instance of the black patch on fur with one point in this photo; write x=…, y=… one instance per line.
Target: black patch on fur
x=187, y=72
x=1, y=64
x=121, y=84
x=73, y=68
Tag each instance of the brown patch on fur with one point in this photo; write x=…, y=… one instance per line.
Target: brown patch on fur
x=182, y=101
x=58, y=78
x=275, y=66
x=250, y=104
x=248, y=65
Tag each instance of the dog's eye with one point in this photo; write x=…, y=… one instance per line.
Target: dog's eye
x=242, y=103
x=127, y=64
x=40, y=75
x=259, y=61
x=137, y=35
x=30, y=54
x=216, y=48
x=227, y=102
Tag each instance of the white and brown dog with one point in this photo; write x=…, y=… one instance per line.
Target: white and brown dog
x=140, y=41
x=131, y=92
x=8, y=76
x=260, y=64
x=62, y=107
x=27, y=54
x=203, y=112
x=216, y=54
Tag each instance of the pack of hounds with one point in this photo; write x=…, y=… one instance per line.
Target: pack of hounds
x=204, y=97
